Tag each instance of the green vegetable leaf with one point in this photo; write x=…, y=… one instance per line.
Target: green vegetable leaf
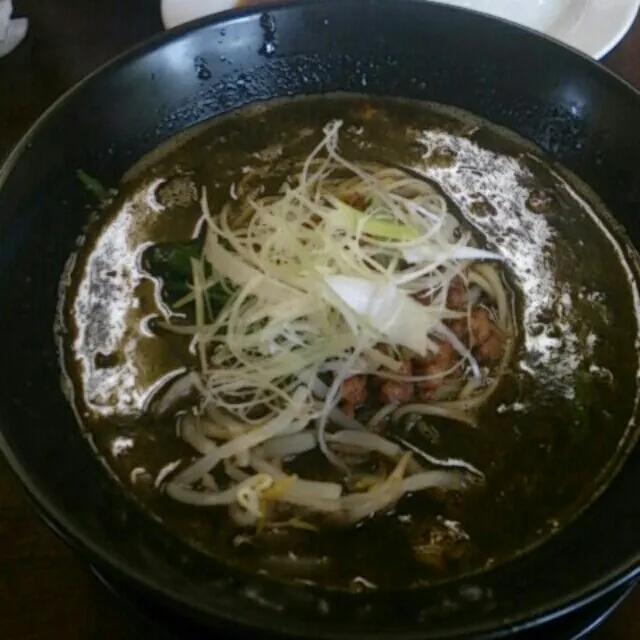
x=93, y=185
x=171, y=264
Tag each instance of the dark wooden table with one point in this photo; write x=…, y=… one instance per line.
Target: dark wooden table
x=45, y=592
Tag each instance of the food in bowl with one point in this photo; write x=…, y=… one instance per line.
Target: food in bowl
x=362, y=343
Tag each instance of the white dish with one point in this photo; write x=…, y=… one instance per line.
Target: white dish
x=591, y=26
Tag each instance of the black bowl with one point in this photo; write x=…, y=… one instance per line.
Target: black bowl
x=569, y=105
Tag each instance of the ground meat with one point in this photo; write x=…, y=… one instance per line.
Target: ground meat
x=481, y=327
x=432, y=365
x=354, y=390
x=425, y=391
x=489, y=351
x=353, y=393
x=396, y=390
x=461, y=329
x=456, y=293
x=486, y=338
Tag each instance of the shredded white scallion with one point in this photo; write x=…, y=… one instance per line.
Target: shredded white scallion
x=345, y=271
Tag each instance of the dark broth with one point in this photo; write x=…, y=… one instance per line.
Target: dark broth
x=550, y=439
